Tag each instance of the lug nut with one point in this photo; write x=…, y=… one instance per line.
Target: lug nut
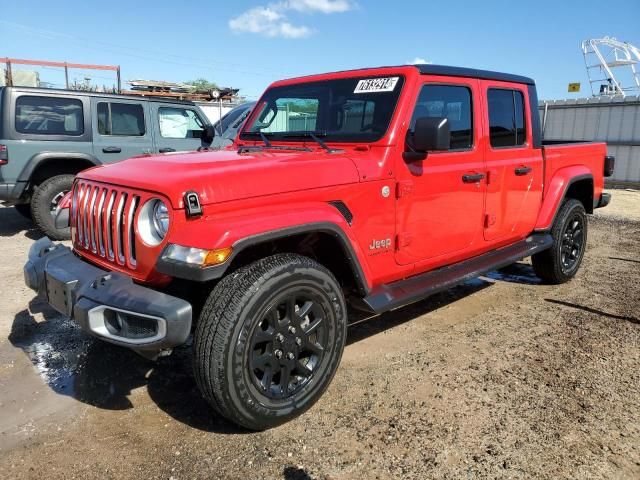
x=292, y=330
x=279, y=337
x=298, y=341
x=290, y=356
x=278, y=353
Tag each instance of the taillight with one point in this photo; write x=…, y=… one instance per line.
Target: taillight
x=609, y=165
x=4, y=155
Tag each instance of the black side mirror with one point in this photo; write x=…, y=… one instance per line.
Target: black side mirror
x=208, y=134
x=431, y=133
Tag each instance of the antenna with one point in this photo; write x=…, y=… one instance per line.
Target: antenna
x=603, y=57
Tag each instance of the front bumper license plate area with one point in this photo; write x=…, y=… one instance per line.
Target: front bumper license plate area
x=59, y=291
x=105, y=304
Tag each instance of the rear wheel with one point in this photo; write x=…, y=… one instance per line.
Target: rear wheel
x=44, y=202
x=561, y=262
x=269, y=340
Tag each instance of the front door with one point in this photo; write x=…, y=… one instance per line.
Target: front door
x=441, y=198
x=120, y=129
x=177, y=128
x=515, y=168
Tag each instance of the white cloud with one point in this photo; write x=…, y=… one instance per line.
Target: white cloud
x=419, y=61
x=323, y=6
x=267, y=21
x=272, y=20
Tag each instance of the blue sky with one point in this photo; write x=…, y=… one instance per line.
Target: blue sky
x=249, y=43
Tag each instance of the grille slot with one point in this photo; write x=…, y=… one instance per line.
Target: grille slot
x=104, y=222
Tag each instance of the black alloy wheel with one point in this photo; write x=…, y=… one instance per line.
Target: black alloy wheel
x=288, y=344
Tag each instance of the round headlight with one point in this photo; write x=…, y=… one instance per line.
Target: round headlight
x=153, y=222
x=161, y=218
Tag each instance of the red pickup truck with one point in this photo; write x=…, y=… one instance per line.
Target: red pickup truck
x=366, y=189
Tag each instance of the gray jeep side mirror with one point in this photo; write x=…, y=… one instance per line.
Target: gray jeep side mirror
x=208, y=134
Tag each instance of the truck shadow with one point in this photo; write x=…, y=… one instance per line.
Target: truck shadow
x=12, y=223
x=97, y=373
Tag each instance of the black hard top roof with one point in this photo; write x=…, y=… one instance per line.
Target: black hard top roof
x=446, y=70
x=428, y=69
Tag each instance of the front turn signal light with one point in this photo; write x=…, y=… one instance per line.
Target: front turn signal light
x=197, y=256
x=216, y=257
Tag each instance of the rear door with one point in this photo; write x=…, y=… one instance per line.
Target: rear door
x=121, y=129
x=177, y=128
x=515, y=168
x=441, y=198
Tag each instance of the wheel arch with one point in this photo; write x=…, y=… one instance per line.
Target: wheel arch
x=326, y=242
x=47, y=164
x=572, y=182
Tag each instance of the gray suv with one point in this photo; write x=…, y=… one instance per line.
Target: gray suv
x=47, y=136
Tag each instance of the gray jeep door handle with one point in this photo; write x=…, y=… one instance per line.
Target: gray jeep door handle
x=111, y=149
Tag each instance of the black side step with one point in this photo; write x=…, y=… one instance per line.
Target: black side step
x=403, y=292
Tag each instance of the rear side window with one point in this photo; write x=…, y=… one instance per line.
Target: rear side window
x=179, y=123
x=506, y=118
x=121, y=119
x=452, y=102
x=49, y=116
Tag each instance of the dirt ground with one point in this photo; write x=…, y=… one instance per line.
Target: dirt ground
x=499, y=378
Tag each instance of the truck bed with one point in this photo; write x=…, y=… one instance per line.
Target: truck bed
x=579, y=157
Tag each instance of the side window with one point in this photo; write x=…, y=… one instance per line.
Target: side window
x=121, y=119
x=452, y=102
x=507, y=127
x=179, y=123
x=49, y=116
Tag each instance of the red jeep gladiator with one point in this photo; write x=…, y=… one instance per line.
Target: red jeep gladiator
x=369, y=188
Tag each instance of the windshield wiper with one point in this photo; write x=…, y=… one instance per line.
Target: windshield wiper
x=314, y=136
x=268, y=144
x=263, y=137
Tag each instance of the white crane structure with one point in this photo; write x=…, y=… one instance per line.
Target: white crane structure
x=614, y=60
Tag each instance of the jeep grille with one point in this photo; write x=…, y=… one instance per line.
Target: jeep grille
x=103, y=222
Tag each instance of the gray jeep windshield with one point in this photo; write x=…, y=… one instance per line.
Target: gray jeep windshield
x=344, y=110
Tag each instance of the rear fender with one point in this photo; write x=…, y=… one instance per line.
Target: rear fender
x=556, y=191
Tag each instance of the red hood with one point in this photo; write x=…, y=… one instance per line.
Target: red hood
x=226, y=175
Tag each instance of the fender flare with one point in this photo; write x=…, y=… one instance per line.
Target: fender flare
x=557, y=192
x=38, y=159
x=195, y=273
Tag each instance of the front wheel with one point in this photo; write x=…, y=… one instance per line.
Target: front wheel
x=269, y=340
x=561, y=262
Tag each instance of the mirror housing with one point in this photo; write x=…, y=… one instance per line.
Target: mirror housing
x=208, y=134
x=431, y=133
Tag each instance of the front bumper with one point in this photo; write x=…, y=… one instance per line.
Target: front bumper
x=105, y=304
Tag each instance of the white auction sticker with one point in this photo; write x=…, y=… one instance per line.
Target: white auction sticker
x=369, y=85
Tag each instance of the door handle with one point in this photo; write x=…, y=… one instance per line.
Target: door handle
x=167, y=150
x=522, y=171
x=111, y=149
x=472, y=177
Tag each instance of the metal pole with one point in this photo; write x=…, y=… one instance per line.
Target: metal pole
x=118, y=76
x=66, y=75
x=9, y=81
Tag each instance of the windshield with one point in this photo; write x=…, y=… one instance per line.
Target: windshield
x=345, y=110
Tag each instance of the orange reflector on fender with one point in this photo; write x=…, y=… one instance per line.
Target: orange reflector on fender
x=216, y=257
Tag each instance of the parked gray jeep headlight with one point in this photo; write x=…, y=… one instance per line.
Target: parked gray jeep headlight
x=153, y=222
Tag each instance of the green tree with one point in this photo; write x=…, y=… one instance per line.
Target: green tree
x=202, y=84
